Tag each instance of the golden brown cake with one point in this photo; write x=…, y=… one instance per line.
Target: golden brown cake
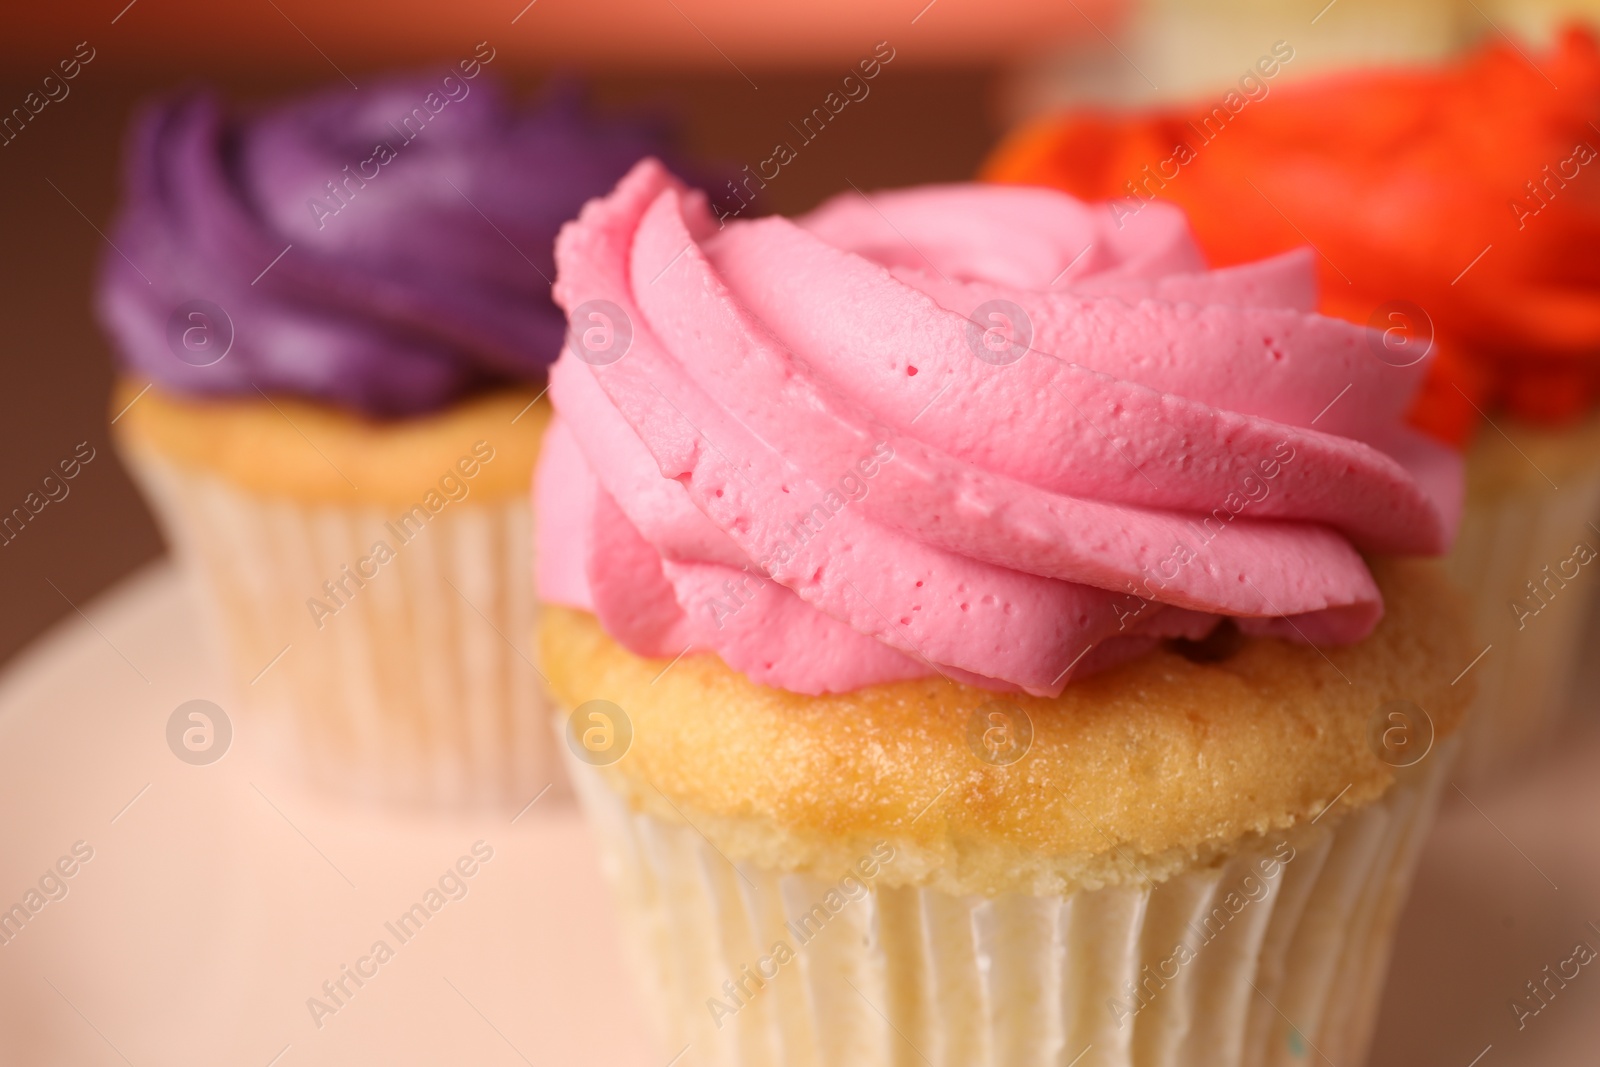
x=1167, y=761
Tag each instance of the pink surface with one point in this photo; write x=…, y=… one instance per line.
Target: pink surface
x=220, y=900
x=812, y=458
x=216, y=902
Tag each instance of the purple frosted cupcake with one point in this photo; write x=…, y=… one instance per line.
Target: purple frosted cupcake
x=333, y=319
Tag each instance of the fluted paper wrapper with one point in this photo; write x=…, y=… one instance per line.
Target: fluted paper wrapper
x=1281, y=964
x=1506, y=541
x=412, y=688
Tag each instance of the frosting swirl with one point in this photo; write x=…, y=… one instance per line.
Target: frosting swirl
x=386, y=251
x=973, y=430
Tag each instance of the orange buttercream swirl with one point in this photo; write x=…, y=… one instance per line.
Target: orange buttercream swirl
x=1456, y=207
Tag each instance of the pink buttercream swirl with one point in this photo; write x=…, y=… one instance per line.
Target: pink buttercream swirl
x=971, y=430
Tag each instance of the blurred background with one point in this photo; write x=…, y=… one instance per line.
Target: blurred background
x=733, y=73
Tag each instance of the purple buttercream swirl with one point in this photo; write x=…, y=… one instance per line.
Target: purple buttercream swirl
x=418, y=217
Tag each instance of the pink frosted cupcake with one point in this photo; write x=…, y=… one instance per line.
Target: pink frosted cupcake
x=967, y=644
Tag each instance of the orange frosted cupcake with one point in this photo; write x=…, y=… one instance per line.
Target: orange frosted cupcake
x=1451, y=210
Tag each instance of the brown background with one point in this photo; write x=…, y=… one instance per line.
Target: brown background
x=921, y=123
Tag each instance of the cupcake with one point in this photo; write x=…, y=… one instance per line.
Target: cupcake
x=979, y=635
x=333, y=322
x=1447, y=210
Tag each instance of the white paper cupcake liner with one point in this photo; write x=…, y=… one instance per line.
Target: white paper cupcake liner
x=1523, y=680
x=1288, y=966
x=419, y=688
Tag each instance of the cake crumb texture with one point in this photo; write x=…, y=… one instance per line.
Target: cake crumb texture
x=280, y=446
x=1137, y=773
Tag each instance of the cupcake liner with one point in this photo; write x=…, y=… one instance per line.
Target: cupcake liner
x=1283, y=959
x=1507, y=538
x=412, y=686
